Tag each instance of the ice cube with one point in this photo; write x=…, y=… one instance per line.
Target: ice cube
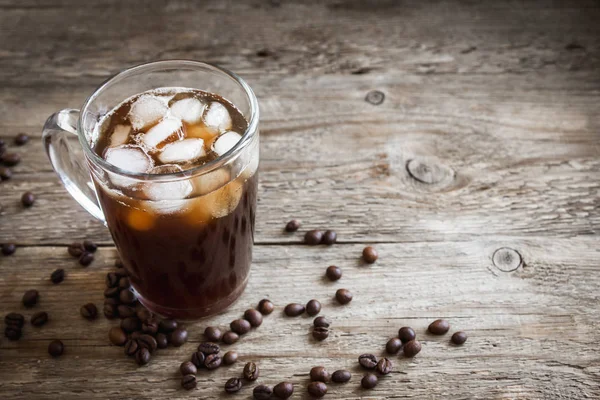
x=167, y=128
x=129, y=158
x=173, y=190
x=147, y=110
x=189, y=110
x=182, y=151
x=217, y=118
x=225, y=142
x=211, y=181
x=120, y=135
x=216, y=204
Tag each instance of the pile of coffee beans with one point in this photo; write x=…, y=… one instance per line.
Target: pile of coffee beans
x=83, y=251
x=9, y=159
x=315, y=237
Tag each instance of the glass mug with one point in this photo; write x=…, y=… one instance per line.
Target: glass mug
x=186, y=258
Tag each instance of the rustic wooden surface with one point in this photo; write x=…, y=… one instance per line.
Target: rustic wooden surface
x=493, y=107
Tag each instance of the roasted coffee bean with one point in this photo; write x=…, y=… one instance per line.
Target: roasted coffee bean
x=329, y=237
x=124, y=283
x=150, y=326
x=120, y=271
x=368, y=361
x=136, y=334
x=111, y=292
x=86, y=259
x=294, y=309
x=162, y=341
x=240, y=326
x=13, y=332
x=117, y=336
x=27, y=199
x=112, y=280
x=322, y=322
x=188, y=382
x=8, y=249
x=317, y=389
x=233, y=385
x=459, y=338
x=57, y=276
x=126, y=296
x=144, y=314
x=39, y=318
x=30, y=298
x=333, y=273
x=212, y=361
x=14, y=319
x=209, y=348
x=292, y=226
x=167, y=325
x=142, y=356
x=369, y=381
x=283, y=390
x=412, y=348
x=5, y=174
x=313, y=237
x=188, y=368
x=320, y=333
x=148, y=342
x=384, y=366
x=21, y=139
x=439, y=327
x=254, y=317
x=10, y=159
x=319, y=374
x=131, y=347
x=251, y=371
x=341, y=376
x=265, y=307
x=125, y=311
x=262, y=392
x=131, y=324
x=230, y=337
x=198, y=358
x=89, y=311
x=370, y=255
x=230, y=357
x=75, y=249
x=109, y=310
x=406, y=334
x=212, y=334
x=90, y=246
x=178, y=337
x=313, y=307
x=56, y=348
x=112, y=301
x=343, y=296
x=393, y=345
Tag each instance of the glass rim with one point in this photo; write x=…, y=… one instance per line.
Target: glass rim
x=210, y=166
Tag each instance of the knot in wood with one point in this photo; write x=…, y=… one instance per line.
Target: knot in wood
x=507, y=259
x=428, y=172
x=375, y=97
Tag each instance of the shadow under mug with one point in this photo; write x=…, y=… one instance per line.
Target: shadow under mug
x=186, y=258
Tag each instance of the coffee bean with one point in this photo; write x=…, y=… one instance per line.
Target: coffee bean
x=57, y=276
x=30, y=298
x=21, y=139
x=393, y=346
x=320, y=333
x=198, y=359
x=412, y=348
x=459, y=338
x=188, y=368
x=313, y=307
x=86, y=259
x=251, y=371
x=125, y=311
x=329, y=237
x=142, y=356
x=144, y=314
x=136, y=334
x=322, y=322
x=150, y=326
x=369, y=381
x=11, y=159
x=368, y=361
x=5, y=174
x=333, y=273
x=13, y=332
x=162, y=341
x=283, y=390
x=126, y=296
x=209, y=348
x=131, y=347
x=75, y=249
x=212, y=361
x=406, y=334
x=384, y=366
x=112, y=280
x=254, y=317
x=167, y=325
x=131, y=324
x=317, y=389
x=188, y=382
x=120, y=271
x=148, y=342
x=56, y=348
x=233, y=385
x=262, y=392
x=109, y=310
x=369, y=255
x=341, y=376
x=90, y=246
x=293, y=309
x=117, y=336
x=14, y=319
x=265, y=307
x=343, y=296
x=439, y=327
x=212, y=334
x=124, y=283
x=319, y=374
x=240, y=326
x=313, y=237
x=292, y=226
x=89, y=311
x=230, y=337
x=111, y=292
x=27, y=199
x=39, y=318
x=8, y=249
x=178, y=337
x=230, y=357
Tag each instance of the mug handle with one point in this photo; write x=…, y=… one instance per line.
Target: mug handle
x=71, y=169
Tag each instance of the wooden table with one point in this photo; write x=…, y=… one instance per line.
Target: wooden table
x=482, y=139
